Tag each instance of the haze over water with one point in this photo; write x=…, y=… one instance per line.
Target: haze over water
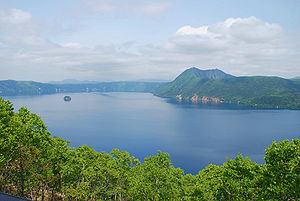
x=142, y=124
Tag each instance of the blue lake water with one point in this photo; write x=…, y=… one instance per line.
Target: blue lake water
x=142, y=124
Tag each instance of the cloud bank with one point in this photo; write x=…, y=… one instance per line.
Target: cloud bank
x=241, y=46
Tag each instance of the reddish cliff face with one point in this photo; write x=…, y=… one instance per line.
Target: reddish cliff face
x=179, y=97
x=204, y=99
x=217, y=100
x=195, y=98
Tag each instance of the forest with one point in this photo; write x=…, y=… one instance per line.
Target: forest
x=30, y=88
x=253, y=91
x=37, y=166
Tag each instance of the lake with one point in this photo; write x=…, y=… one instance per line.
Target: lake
x=142, y=124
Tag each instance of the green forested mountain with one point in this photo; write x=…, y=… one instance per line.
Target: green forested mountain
x=296, y=80
x=40, y=167
x=205, y=74
x=199, y=86
x=260, y=91
x=12, y=88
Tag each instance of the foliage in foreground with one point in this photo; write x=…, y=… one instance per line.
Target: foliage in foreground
x=37, y=166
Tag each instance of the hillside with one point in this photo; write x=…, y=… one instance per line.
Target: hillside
x=13, y=88
x=260, y=91
x=193, y=85
x=188, y=81
x=296, y=80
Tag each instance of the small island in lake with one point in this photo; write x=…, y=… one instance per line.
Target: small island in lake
x=67, y=98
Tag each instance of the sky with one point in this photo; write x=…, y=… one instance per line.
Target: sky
x=115, y=40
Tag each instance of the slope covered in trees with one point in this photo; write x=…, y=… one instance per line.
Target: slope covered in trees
x=13, y=88
x=296, y=80
x=259, y=91
x=37, y=166
x=193, y=85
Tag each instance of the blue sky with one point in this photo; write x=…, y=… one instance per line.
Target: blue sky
x=110, y=40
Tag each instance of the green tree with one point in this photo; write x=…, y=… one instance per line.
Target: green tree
x=25, y=142
x=58, y=156
x=241, y=179
x=35, y=142
x=209, y=182
x=7, y=151
x=156, y=179
x=77, y=172
x=190, y=191
x=281, y=178
x=121, y=165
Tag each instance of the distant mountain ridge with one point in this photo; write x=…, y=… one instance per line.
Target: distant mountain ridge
x=72, y=81
x=16, y=88
x=193, y=85
x=198, y=86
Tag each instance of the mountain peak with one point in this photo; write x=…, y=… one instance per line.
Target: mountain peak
x=208, y=74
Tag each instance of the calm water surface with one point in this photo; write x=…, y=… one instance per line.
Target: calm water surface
x=142, y=124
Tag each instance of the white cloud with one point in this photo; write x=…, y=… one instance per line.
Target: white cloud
x=188, y=30
x=244, y=29
x=16, y=21
x=241, y=46
x=250, y=29
x=150, y=7
x=14, y=17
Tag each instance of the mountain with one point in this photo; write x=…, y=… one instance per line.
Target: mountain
x=189, y=81
x=12, y=88
x=122, y=86
x=296, y=80
x=216, y=86
x=206, y=74
x=193, y=85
